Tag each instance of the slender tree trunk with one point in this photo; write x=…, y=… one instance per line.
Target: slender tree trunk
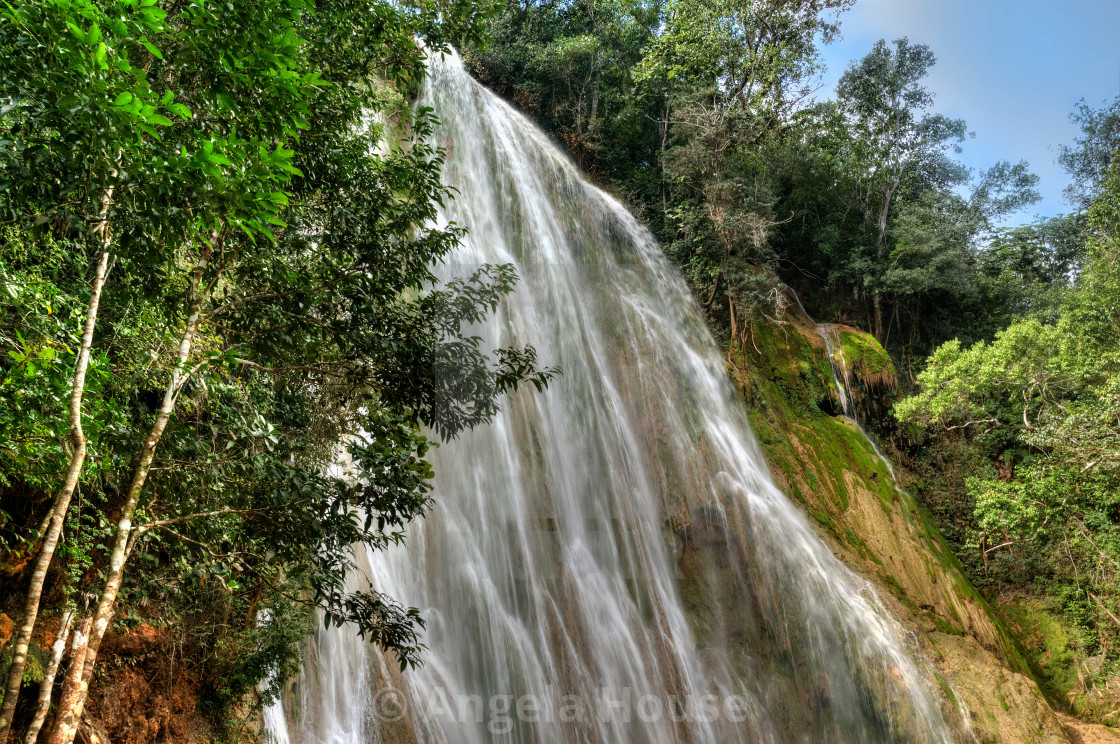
x=48, y=679
x=893, y=320
x=63, y=724
x=57, y=513
x=734, y=325
x=664, y=126
x=76, y=687
x=591, y=121
x=877, y=306
x=884, y=213
x=712, y=296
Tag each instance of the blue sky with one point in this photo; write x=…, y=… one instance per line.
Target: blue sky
x=1013, y=69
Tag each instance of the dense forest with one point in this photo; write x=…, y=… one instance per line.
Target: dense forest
x=217, y=246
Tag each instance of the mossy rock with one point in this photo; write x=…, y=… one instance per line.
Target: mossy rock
x=862, y=351
x=867, y=370
x=34, y=667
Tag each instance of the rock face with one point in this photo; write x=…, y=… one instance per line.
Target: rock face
x=823, y=459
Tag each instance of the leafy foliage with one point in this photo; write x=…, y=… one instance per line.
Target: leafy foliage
x=1088, y=158
x=254, y=169
x=1042, y=397
x=716, y=142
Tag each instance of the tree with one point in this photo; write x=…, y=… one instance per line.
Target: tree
x=903, y=144
x=938, y=241
x=730, y=74
x=756, y=55
x=1088, y=159
x=88, y=140
x=1045, y=398
x=270, y=298
x=1038, y=263
x=569, y=65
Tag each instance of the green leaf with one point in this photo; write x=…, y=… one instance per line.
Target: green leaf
x=151, y=48
x=100, y=56
x=278, y=197
x=123, y=99
x=180, y=110
x=94, y=34
x=153, y=16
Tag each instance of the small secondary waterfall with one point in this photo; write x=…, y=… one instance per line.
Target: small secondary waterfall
x=829, y=334
x=843, y=384
x=609, y=560
x=842, y=380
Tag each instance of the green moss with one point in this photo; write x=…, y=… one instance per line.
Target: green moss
x=945, y=688
x=767, y=435
x=1050, y=650
x=896, y=589
x=863, y=350
x=944, y=626
x=35, y=668
x=861, y=547
x=811, y=476
x=788, y=374
x=785, y=380
x=822, y=517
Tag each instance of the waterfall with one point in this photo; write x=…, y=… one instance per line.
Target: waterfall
x=608, y=561
x=274, y=724
x=842, y=380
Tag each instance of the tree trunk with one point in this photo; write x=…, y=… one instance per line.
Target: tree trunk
x=65, y=726
x=57, y=513
x=591, y=121
x=48, y=679
x=893, y=320
x=734, y=324
x=884, y=213
x=664, y=127
x=76, y=687
x=876, y=303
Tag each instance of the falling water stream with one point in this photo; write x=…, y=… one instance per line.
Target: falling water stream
x=609, y=561
x=842, y=381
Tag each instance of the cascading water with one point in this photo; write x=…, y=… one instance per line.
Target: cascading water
x=843, y=383
x=609, y=560
x=842, y=380
x=828, y=333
